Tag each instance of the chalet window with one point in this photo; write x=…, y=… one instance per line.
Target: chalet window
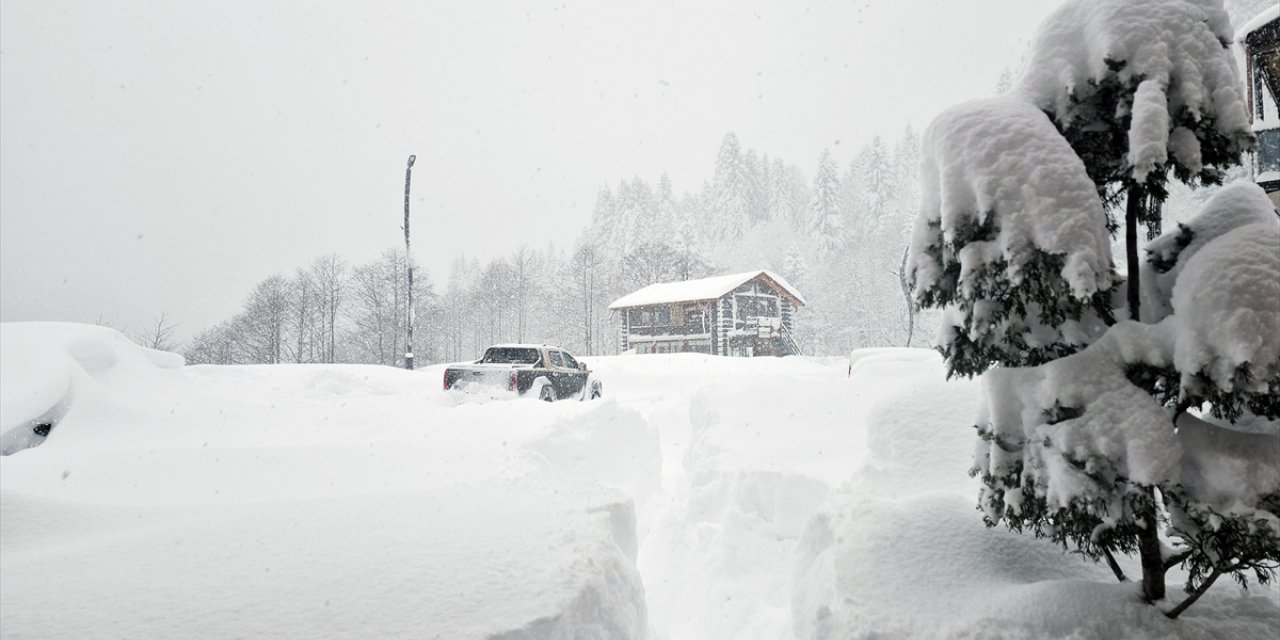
x=693, y=316
x=637, y=318
x=755, y=306
x=662, y=317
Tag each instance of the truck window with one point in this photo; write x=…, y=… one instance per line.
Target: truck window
x=570, y=362
x=510, y=355
x=555, y=359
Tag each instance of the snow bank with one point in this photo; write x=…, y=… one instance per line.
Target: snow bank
x=607, y=444
x=860, y=358
x=519, y=559
x=45, y=365
x=312, y=501
x=704, y=497
x=768, y=445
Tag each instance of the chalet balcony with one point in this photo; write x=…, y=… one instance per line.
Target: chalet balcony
x=685, y=330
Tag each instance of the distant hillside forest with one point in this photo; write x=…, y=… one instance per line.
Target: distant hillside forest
x=839, y=237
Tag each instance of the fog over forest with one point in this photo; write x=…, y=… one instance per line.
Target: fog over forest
x=838, y=236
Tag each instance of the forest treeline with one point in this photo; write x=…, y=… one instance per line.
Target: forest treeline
x=839, y=237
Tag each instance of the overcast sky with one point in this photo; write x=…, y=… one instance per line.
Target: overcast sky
x=166, y=156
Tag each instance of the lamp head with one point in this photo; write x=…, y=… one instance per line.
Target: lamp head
x=411, y=159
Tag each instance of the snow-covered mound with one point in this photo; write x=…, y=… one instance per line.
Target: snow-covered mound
x=306, y=501
x=45, y=365
x=524, y=558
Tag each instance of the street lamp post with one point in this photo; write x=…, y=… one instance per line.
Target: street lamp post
x=408, y=261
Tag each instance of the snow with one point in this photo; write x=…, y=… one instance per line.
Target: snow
x=695, y=290
x=1119, y=432
x=1227, y=470
x=1175, y=47
x=897, y=551
x=311, y=501
x=1233, y=206
x=1227, y=302
x=1000, y=162
x=703, y=497
x=1267, y=15
x=1222, y=283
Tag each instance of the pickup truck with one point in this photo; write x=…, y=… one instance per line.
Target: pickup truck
x=538, y=370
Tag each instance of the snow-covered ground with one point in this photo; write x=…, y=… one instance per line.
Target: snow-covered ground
x=703, y=497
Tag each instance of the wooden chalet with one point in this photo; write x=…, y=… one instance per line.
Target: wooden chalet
x=1261, y=48
x=744, y=314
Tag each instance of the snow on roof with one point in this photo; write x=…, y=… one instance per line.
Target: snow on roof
x=1258, y=21
x=704, y=289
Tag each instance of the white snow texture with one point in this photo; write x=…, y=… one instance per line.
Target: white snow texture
x=1176, y=47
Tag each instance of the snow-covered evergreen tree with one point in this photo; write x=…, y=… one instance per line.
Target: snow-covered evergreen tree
x=732, y=188
x=788, y=199
x=667, y=211
x=1088, y=436
x=824, y=209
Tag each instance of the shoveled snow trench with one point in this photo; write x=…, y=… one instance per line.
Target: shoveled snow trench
x=703, y=497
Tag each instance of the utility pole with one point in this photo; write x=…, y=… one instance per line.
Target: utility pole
x=408, y=262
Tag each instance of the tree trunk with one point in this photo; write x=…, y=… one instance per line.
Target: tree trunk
x=1153, y=587
x=1115, y=566
x=1204, y=586
x=1132, y=209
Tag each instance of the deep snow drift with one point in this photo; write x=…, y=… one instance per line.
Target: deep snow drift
x=304, y=501
x=703, y=497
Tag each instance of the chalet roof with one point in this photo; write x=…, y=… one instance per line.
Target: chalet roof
x=704, y=289
x=1259, y=21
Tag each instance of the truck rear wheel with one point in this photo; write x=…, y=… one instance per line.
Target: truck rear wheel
x=548, y=394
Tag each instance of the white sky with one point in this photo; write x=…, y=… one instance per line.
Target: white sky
x=165, y=156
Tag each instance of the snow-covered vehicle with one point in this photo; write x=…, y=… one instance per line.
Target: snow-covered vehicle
x=546, y=372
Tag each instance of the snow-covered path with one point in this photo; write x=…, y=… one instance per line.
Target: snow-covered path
x=702, y=498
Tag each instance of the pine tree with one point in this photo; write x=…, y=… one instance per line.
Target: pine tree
x=731, y=191
x=824, y=208
x=667, y=211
